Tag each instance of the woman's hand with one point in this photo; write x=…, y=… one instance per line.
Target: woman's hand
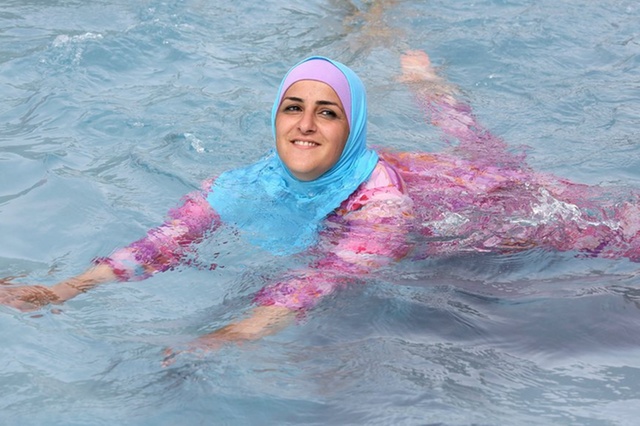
x=201, y=345
x=26, y=298
x=32, y=297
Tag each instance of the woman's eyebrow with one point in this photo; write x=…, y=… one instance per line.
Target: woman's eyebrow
x=296, y=99
x=327, y=103
x=293, y=98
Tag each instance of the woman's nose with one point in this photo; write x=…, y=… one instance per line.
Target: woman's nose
x=307, y=123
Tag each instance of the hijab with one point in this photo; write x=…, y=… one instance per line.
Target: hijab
x=273, y=209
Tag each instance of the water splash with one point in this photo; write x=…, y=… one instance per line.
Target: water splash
x=64, y=39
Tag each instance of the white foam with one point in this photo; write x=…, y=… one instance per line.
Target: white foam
x=64, y=39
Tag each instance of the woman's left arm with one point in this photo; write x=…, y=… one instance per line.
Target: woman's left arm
x=368, y=232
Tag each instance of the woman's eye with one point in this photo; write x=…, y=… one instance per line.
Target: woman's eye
x=329, y=113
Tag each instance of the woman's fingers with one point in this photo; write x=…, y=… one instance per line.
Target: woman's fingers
x=27, y=298
x=201, y=346
x=169, y=357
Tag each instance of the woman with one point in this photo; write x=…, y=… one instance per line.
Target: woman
x=322, y=167
x=324, y=192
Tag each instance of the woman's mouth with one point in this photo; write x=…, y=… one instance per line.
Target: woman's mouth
x=305, y=143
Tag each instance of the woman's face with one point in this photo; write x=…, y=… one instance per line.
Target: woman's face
x=311, y=129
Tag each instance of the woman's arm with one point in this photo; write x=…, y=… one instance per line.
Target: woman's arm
x=166, y=246
x=29, y=298
x=162, y=248
x=368, y=232
x=262, y=321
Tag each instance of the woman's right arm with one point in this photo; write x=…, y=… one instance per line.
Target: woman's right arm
x=372, y=233
x=162, y=248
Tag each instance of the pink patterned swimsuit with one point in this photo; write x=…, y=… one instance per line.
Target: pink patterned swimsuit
x=478, y=198
x=371, y=234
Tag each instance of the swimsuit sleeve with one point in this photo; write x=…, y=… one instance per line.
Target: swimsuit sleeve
x=167, y=245
x=367, y=232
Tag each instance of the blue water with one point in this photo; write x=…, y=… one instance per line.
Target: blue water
x=111, y=110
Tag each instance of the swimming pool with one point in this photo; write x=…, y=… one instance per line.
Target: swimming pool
x=111, y=111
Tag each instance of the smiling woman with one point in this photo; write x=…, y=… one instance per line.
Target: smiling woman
x=112, y=110
x=324, y=192
x=322, y=170
x=311, y=129
x=314, y=112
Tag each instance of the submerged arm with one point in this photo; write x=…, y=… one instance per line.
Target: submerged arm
x=32, y=297
x=161, y=249
x=261, y=321
x=368, y=232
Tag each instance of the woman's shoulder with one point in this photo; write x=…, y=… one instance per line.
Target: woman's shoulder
x=383, y=185
x=384, y=175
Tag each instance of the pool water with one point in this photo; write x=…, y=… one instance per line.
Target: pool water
x=111, y=110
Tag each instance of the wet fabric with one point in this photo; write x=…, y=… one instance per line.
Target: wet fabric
x=275, y=210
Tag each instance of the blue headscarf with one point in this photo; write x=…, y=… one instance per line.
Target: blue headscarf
x=271, y=207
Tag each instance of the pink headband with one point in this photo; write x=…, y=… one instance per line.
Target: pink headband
x=325, y=72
